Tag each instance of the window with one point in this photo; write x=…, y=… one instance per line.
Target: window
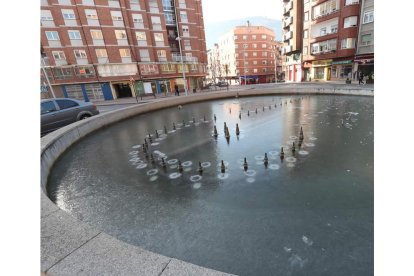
x=116, y=15
x=120, y=34
x=156, y=22
x=253, y=36
x=58, y=55
x=255, y=54
x=350, y=21
x=306, y=16
x=80, y=53
x=325, y=8
x=161, y=53
x=91, y=14
x=366, y=39
x=187, y=43
x=264, y=62
x=334, y=28
x=350, y=2
x=244, y=37
x=246, y=54
x=159, y=37
x=236, y=46
x=52, y=35
x=65, y=104
x=141, y=35
x=144, y=54
x=322, y=31
x=368, y=17
x=264, y=70
x=96, y=34
x=254, y=70
x=348, y=43
x=255, y=62
x=305, y=33
x=182, y=3
x=47, y=107
x=254, y=45
x=124, y=52
x=246, y=63
x=245, y=46
x=183, y=15
x=74, y=35
x=68, y=14
x=305, y=50
x=137, y=18
x=46, y=15
x=264, y=37
x=324, y=46
x=101, y=53
x=264, y=54
x=235, y=37
x=264, y=45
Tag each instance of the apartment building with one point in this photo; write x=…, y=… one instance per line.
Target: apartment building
x=364, y=59
x=247, y=55
x=330, y=31
x=108, y=49
x=292, y=38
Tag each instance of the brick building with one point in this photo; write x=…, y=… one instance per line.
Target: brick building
x=100, y=49
x=248, y=52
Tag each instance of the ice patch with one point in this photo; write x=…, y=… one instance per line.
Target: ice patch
x=173, y=166
x=136, y=146
x=155, y=144
x=223, y=176
x=133, y=152
x=205, y=164
x=290, y=165
x=259, y=157
x=297, y=262
x=174, y=175
x=196, y=185
x=303, y=152
x=290, y=159
x=274, y=166
x=287, y=249
x=142, y=166
x=187, y=163
x=307, y=240
x=250, y=172
x=309, y=144
x=250, y=179
x=273, y=152
x=134, y=159
x=313, y=138
x=153, y=178
x=152, y=172
x=293, y=137
x=172, y=161
x=188, y=169
x=195, y=178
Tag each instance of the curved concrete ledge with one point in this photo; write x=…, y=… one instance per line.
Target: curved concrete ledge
x=70, y=247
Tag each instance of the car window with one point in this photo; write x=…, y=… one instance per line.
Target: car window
x=64, y=104
x=47, y=107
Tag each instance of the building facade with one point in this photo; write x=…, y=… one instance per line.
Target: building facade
x=247, y=55
x=330, y=38
x=364, y=59
x=292, y=38
x=108, y=49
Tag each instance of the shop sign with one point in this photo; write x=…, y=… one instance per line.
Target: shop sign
x=322, y=63
x=342, y=62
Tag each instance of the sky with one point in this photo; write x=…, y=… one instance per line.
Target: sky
x=221, y=10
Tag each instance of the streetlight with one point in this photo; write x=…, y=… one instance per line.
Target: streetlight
x=47, y=78
x=182, y=64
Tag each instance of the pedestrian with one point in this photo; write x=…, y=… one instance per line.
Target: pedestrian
x=177, y=92
x=361, y=77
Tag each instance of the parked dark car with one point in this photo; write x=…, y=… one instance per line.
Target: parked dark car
x=222, y=84
x=58, y=112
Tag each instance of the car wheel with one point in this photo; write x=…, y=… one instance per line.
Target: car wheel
x=84, y=116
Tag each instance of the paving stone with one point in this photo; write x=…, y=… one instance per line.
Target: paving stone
x=61, y=235
x=47, y=206
x=105, y=255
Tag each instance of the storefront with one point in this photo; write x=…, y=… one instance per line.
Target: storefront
x=342, y=70
x=365, y=64
x=307, y=66
x=321, y=70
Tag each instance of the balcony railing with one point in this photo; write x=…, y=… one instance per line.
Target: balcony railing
x=185, y=59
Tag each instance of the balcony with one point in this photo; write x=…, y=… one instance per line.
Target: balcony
x=287, y=35
x=177, y=58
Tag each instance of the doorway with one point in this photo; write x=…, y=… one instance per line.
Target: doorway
x=122, y=90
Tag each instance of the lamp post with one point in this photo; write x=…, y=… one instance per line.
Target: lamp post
x=182, y=64
x=47, y=78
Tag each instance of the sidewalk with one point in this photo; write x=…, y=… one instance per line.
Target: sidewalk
x=150, y=98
